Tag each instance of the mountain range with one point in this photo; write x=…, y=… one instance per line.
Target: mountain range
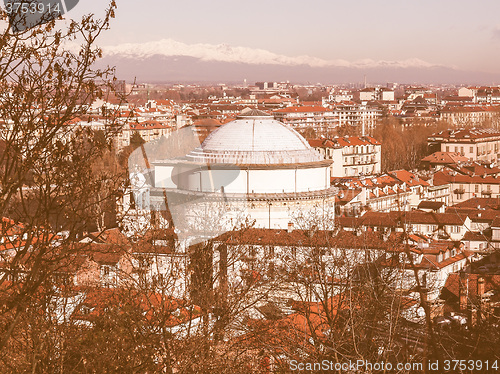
x=170, y=61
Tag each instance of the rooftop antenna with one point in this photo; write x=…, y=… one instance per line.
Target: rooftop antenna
x=365, y=80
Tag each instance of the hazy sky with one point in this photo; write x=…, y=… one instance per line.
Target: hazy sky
x=455, y=33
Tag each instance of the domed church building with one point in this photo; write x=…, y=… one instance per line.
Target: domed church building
x=256, y=163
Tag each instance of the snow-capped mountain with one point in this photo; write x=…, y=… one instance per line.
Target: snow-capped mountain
x=227, y=53
x=168, y=60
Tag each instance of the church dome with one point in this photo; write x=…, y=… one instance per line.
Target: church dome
x=255, y=138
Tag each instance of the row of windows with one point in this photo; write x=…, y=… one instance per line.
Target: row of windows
x=432, y=228
x=478, y=188
x=359, y=149
x=480, y=149
x=460, y=150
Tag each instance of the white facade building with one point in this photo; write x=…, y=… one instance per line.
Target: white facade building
x=255, y=166
x=351, y=156
x=476, y=144
x=376, y=93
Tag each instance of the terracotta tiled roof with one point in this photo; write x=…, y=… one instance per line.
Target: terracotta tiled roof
x=102, y=253
x=432, y=218
x=306, y=238
x=321, y=143
x=109, y=236
x=466, y=109
x=393, y=219
x=148, y=125
x=463, y=135
x=446, y=176
x=476, y=215
x=479, y=203
x=445, y=158
x=346, y=196
x=496, y=222
x=477, y=236
x=429, y=263
x=157, y=241
x=411, y=179
x=10, y=227
x=452, y=285
x=356, y=140
x=379, y=219
x=475, y=168
x=434, y=205
x=301, y=109
x=154, y=306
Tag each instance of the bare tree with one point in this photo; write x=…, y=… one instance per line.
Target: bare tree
x=49, y=181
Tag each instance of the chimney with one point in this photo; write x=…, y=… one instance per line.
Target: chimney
x=386, y=235
x=480, y=296
x=424, y=294
x=363, y=195
x=480, y=287
x=290, y=227
x=462, y=291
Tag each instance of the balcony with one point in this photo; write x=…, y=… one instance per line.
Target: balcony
x=358, y=161
x=347, y=152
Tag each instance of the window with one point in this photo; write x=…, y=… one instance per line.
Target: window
x=476, y=188
x=270, y=251
x=447, y=148
x=252, y=252
x=471, y=150
x=462, y=150
x=85, y=309
x=107, y=276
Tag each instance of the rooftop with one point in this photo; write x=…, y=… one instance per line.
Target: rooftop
x=255, y=138
x=464, y=135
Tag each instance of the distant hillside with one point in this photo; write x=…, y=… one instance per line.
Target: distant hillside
x=171, y=61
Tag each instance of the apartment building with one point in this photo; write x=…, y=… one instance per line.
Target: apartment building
x=465, y=187
x=333, y=115
x=376, y=93
x=352, y=156
x=471, y=115
x=302, y=117
x=362, y=116
x=485, y=94
x=148, y=130
x=395, y=191
x=475, y=144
